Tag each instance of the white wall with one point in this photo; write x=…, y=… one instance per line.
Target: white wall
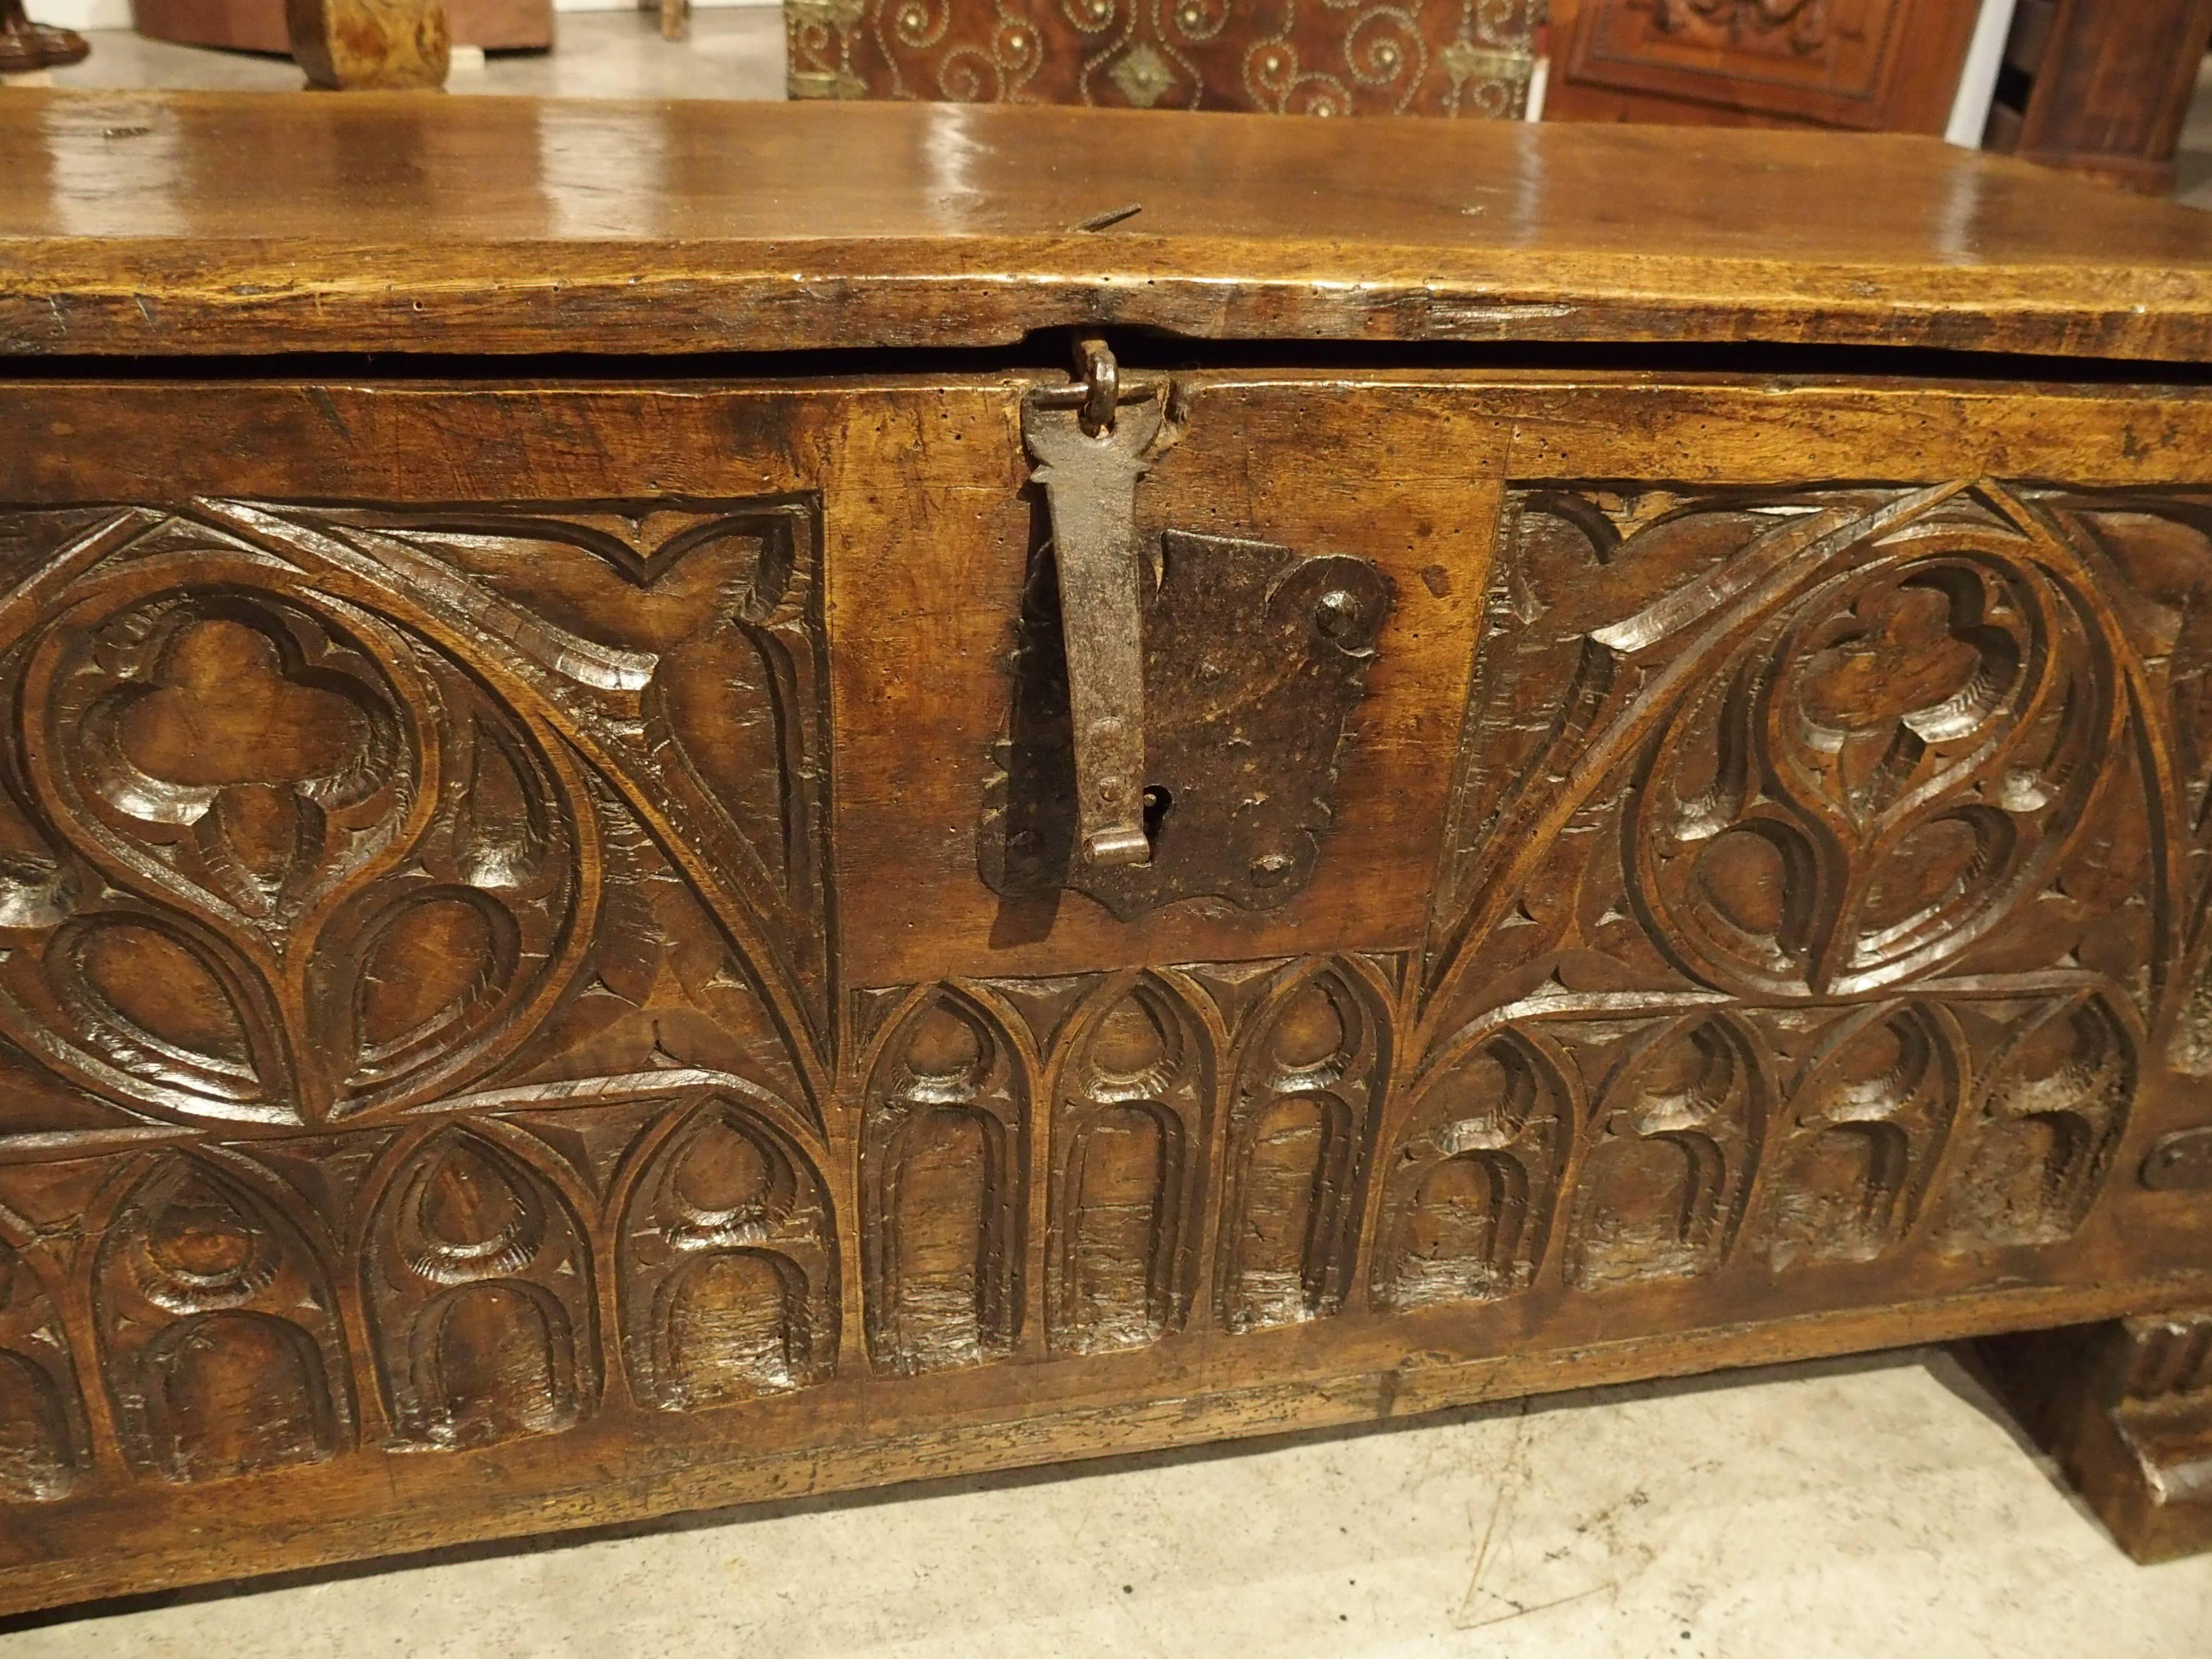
x=81, y=14
x=1977, y=81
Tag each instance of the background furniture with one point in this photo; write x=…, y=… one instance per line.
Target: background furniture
x=2101, y=89
x=371, y=45
x=259, y=25
x=845, y=895
x=27, y=47
x=1886, y=64
x=1421, y=57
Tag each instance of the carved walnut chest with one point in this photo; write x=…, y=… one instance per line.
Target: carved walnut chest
x=707, y=802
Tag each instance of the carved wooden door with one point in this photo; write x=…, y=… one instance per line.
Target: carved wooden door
x=1887, y=64
x=543, y=981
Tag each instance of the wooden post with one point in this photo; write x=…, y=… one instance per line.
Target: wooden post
x=2126, y=1408
x=388, y=45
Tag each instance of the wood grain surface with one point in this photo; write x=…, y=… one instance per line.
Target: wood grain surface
x=184, y=224
x=503, y=1027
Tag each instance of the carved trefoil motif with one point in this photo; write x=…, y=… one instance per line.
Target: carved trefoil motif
x=1860, y=798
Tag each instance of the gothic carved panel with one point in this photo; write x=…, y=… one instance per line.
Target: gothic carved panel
x=219, y=1331
x=728, y=1266
x=1890, y=773
x=480, y=1294
x=42, y=1440
x=338, y=815
x=1825, y=60
x=2161, y=549
x=945, y=1184
x=413, y=931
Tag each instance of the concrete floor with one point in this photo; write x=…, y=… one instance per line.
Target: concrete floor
x=1881, y=1505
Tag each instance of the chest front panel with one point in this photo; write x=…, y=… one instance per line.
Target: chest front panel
x=517, y=957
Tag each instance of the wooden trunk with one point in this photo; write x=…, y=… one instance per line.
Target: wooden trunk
x=704, y=877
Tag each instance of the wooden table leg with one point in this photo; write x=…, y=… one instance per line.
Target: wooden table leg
x=384, y=45
x=27, y=47
x=2126, y=1408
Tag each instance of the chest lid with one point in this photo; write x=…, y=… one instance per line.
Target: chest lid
x=199, y=224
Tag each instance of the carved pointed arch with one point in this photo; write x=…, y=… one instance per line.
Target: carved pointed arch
x=1474, y=1182
x=1672, y=1143
x=726, y=1257
x=478, y=1283
x=1865, y=1126
x=2049, y=1111
x=1132, y=1087
x=945, y=1161
x=1308, y=1072
x=219, y=1337
x=44, y=1441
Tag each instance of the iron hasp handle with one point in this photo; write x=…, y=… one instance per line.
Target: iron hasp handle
x=1089, y=442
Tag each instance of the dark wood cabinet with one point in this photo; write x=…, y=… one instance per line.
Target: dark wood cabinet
x=2101, y=89
x=1887, y=64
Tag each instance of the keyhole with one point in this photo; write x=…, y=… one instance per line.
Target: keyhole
x=1158, y=799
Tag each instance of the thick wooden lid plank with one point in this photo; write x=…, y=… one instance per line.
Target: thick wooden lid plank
x=184, y=223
